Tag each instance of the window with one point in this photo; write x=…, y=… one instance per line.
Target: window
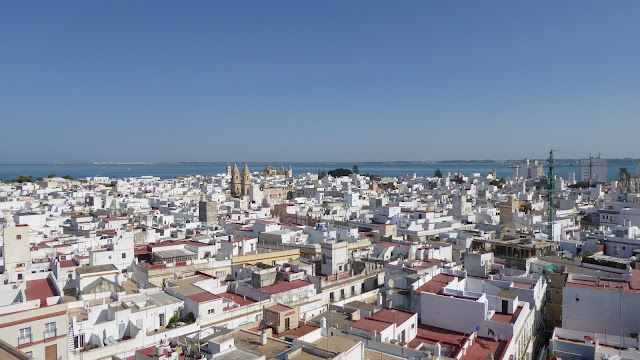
x=341, y=294
x=211, y=311
x=353, y=290
x=19, y=276
x=78, y=341
x=25, y=336
x=331, y=298
x=18, y=237
x=49, y=330
x=124, y=255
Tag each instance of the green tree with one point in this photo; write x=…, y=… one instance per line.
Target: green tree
x=39, y=178
x=340, y=172
x=51, y=176
x=174, y=320
x=23, y=179
x=624, y=174
x=438, y=173
x=68, y=177
x=356, y=169
x=190, y=318
x=496, y=183
x=321, y=174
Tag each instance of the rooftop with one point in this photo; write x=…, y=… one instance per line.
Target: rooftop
x=282, y=286
x=249, y=341
x=436, y=284
x=507, y=318
x=204, y=297
x=368, y=324
x=335, y=344
x=96, y=269
x=40, y=290
x=632, y=286
x=396, y=316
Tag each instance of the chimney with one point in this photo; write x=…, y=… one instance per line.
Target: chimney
x=263, y=338
x=323, y=322
x=159, y=350
x=379, y=302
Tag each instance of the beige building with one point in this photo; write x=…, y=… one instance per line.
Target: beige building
x=16, y=251
x=33, y=318
x=208, y=212
x=240, y=184
x=281, y=318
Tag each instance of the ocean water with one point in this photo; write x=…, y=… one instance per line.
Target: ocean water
x=171, y=170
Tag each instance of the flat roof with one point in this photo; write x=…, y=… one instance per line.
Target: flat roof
x=368, y=324
x=337, y=344
x=436, y=284
x=396, y=316
x=249, y=341
x=40, y=290
x=282, y=286
x=204, y=297
x=96, y=269
x=186, y=287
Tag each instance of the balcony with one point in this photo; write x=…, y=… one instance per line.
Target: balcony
x=50, y=334
x=24, y=340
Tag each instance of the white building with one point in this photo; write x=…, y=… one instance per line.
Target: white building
x=594, y=169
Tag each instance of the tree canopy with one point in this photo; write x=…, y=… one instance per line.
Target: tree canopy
x=340, y=172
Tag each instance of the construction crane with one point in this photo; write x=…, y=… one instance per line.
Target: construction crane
x=552, y=165
x=552, y=196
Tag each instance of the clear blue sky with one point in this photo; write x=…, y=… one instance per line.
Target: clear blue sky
x=317, y=80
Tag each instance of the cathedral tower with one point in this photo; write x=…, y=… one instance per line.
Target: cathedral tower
x=236, y=188
x=246, y=180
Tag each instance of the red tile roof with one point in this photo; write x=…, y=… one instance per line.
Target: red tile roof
x=40, y=289
x=436, y=284
x=370, y=325
x=396, y=316
x=282, y=286
x=432, y=335
x=481, y=348
x=204, y=297
x=67, y=263
x=238, y=299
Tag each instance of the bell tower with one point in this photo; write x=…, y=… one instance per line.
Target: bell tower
x=236, y=189
x=246, y=180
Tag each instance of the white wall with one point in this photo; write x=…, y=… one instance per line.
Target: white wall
x=451, y=313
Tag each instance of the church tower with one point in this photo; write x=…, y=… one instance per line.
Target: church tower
x=246, y=180
x=236, y=189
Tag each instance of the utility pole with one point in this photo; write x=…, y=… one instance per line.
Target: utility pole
x=552, y=195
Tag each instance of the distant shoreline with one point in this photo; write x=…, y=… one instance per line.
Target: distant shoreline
x=303, y=162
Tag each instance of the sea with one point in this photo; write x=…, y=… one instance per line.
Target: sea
x=172, y=170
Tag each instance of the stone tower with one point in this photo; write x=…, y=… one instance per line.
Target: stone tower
x=246, y=180
x=236, y=188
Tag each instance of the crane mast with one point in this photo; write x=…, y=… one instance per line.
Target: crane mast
x=552, y=196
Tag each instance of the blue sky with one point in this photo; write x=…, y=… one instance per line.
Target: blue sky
x=317, y=81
